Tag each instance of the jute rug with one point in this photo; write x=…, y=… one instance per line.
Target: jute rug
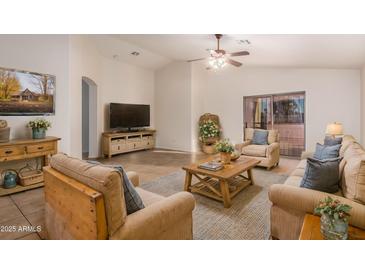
x=247, y=219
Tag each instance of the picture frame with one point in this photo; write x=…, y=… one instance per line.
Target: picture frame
x=26, y=93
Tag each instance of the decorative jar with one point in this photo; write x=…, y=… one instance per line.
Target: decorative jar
x=225, y=157
x=39, y=133
x=333, y=229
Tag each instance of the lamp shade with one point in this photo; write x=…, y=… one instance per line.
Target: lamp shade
x=334, y=129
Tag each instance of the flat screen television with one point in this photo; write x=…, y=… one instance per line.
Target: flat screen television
x=129, y=116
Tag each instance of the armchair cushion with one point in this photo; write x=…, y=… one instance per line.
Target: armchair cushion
x=255, y=150
x=133, y=201
x=260, y=137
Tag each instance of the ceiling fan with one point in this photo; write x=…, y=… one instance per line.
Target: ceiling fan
x=219, y=57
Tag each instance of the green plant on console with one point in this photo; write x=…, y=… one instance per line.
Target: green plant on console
x=39, y=127
x=333, y=208
x=224, y=146
x=39, y=123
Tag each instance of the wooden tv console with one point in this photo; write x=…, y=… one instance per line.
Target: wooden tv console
x=122, y=142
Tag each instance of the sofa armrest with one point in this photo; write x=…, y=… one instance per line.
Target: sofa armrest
x=153, y=220
x=306, y=154
x=305, y=200
x=240, y=146
x=133, y=177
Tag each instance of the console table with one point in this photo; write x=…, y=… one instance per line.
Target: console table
x=22, y=149
x=121, y=142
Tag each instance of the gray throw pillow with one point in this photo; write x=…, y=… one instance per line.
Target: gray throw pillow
x=260, y=137
x=326, y=152
x=322, y=175
x=133, y=201
x=330, y=141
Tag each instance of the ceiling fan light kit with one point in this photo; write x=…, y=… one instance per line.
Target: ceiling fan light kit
x=219, y=58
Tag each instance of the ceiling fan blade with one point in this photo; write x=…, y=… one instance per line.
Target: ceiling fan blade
x=233, y=62
x=197, y=59
x=239, y=53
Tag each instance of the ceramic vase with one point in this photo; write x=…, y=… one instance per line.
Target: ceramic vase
x=333, y=229
x=39, y=133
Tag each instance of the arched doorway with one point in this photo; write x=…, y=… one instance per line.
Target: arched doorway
x=89, y=119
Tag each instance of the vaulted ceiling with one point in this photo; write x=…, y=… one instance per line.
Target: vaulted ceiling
x=266, y=50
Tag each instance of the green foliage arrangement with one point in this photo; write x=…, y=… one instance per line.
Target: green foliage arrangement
x=208, y=129
x=39, y=123
x=224, y=146
x=333, y=208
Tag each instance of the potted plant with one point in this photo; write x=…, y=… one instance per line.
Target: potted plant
x=39, y=127
x=209, y=134
x=334, y=218
x=225, y=148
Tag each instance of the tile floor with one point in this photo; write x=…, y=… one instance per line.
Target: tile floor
x=26, y=209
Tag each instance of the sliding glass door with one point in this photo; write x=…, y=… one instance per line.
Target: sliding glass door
x=284, y=112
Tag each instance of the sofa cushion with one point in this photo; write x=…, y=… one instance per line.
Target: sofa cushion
x=322, y=175
x=330, y=141
x=326, y=152
x=260, y=137
x=106, y=180
x=353, y=150
x=347, y=140
x=302, y=164
x=148, y=198
x=353, y=178
x=255, y=150
x=298, y=172
x=293, y=181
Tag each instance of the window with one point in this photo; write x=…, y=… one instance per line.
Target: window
x=284, y=112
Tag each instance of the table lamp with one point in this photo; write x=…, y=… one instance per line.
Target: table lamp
x=334, y=129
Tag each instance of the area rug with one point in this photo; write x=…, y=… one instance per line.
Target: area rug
x=247, y=219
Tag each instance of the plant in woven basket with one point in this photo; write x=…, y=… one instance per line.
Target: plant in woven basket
x=208, y=130
x=334, y=218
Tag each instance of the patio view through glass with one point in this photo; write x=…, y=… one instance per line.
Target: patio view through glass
x=284, y=112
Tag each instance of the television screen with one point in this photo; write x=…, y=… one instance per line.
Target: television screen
x=26, y=93
x=129, y=115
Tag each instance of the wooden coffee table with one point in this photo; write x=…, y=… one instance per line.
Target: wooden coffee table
x=311, y=230
x=221, y=185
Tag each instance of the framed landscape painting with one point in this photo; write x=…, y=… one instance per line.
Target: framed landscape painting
x=26, y=93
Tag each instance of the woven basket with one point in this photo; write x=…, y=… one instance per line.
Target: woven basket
x=30, y=177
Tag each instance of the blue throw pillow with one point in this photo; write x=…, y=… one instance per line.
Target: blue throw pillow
x=330, y=141
x=326, y=152
x=322, y=175
x=260, y=137
x=133, y=201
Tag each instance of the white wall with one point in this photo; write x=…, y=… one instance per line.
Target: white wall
x=363, y=106
x=44, y=54
x=173, y=87
x=69, y=58
x=331, y=95
x=123, y=83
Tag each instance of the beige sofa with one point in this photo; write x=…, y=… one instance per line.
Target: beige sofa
x=84, y=201
x=290, y=202
x=269, y=155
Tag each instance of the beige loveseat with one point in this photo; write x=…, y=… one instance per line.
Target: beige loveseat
x=269, y=155
x=290, y=202
x=86, y=201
